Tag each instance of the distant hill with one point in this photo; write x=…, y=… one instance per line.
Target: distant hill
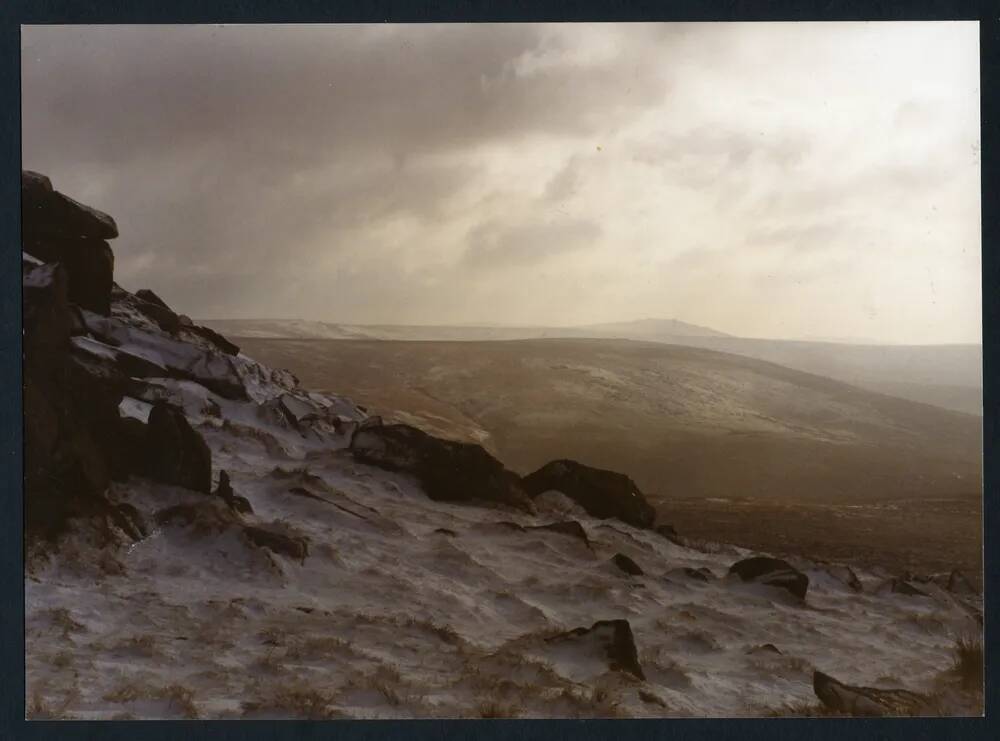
x=948, y=376
x=640, y=329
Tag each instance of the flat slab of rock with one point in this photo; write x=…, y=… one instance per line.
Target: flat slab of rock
x=601, y=493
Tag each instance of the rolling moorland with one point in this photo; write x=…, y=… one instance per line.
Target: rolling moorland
x=725, y=446
x=949, y=376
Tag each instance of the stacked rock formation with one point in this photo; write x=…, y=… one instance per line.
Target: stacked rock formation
x=76, y=441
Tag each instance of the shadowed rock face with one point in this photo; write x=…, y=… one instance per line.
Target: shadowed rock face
x=773, y=572
x=57, y=229
x=601, y=493
x=447, y=470
x=177, y=454
x=70, y=414
x=868, y=701
x=616, y=639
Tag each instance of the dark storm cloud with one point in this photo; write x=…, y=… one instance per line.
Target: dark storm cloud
x=237, y=148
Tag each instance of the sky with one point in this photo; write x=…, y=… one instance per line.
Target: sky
x=785, y=180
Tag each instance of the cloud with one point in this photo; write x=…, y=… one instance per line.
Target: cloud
x=499, y=245
x=426, y=173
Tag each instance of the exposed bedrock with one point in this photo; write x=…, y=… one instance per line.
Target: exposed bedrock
x=447, y=470
x=774, y=572
x=601, y=493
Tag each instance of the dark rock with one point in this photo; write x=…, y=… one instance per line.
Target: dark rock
x=165, y=319
x=45, y=211
x=667, y=531
x=866, y=701
x=89, y=264
x=177, y=454
x=447, y=470
x=901, y=586
x=46, y=322
x=35, y=187
x=293, y=546
x=214, y=337
x=129, y=457
x=129, y=520
x=185, y=320
x=601, y=493
x=958, y=583
x=764, y=649
x=149, y=297
x=627, y=565
x=570, y=527
x=617, y=640
x=224, y=490
x=373, y=421
x=241, y=505
x=773, y=572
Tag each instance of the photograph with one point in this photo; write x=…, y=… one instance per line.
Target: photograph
x=569, y=370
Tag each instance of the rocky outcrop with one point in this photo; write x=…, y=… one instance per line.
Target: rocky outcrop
x=176, y=453
x=69, y=415
x=46, y=211
x=57, y=229
x=866, y=701
x=447, y=470
x=613, y=638
x=774, y=572
x=601, y=493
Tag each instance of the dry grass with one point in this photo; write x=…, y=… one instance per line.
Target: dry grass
x=62, y=620
x=39, y=709
x=144, y=645
x=494, y=709
x=968, y=662
x=178, y=697
x=319, y=647
x=294, y=702
x=801, y=710
x=269, y=663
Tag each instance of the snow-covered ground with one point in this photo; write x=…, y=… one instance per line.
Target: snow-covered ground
x=406, y=607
